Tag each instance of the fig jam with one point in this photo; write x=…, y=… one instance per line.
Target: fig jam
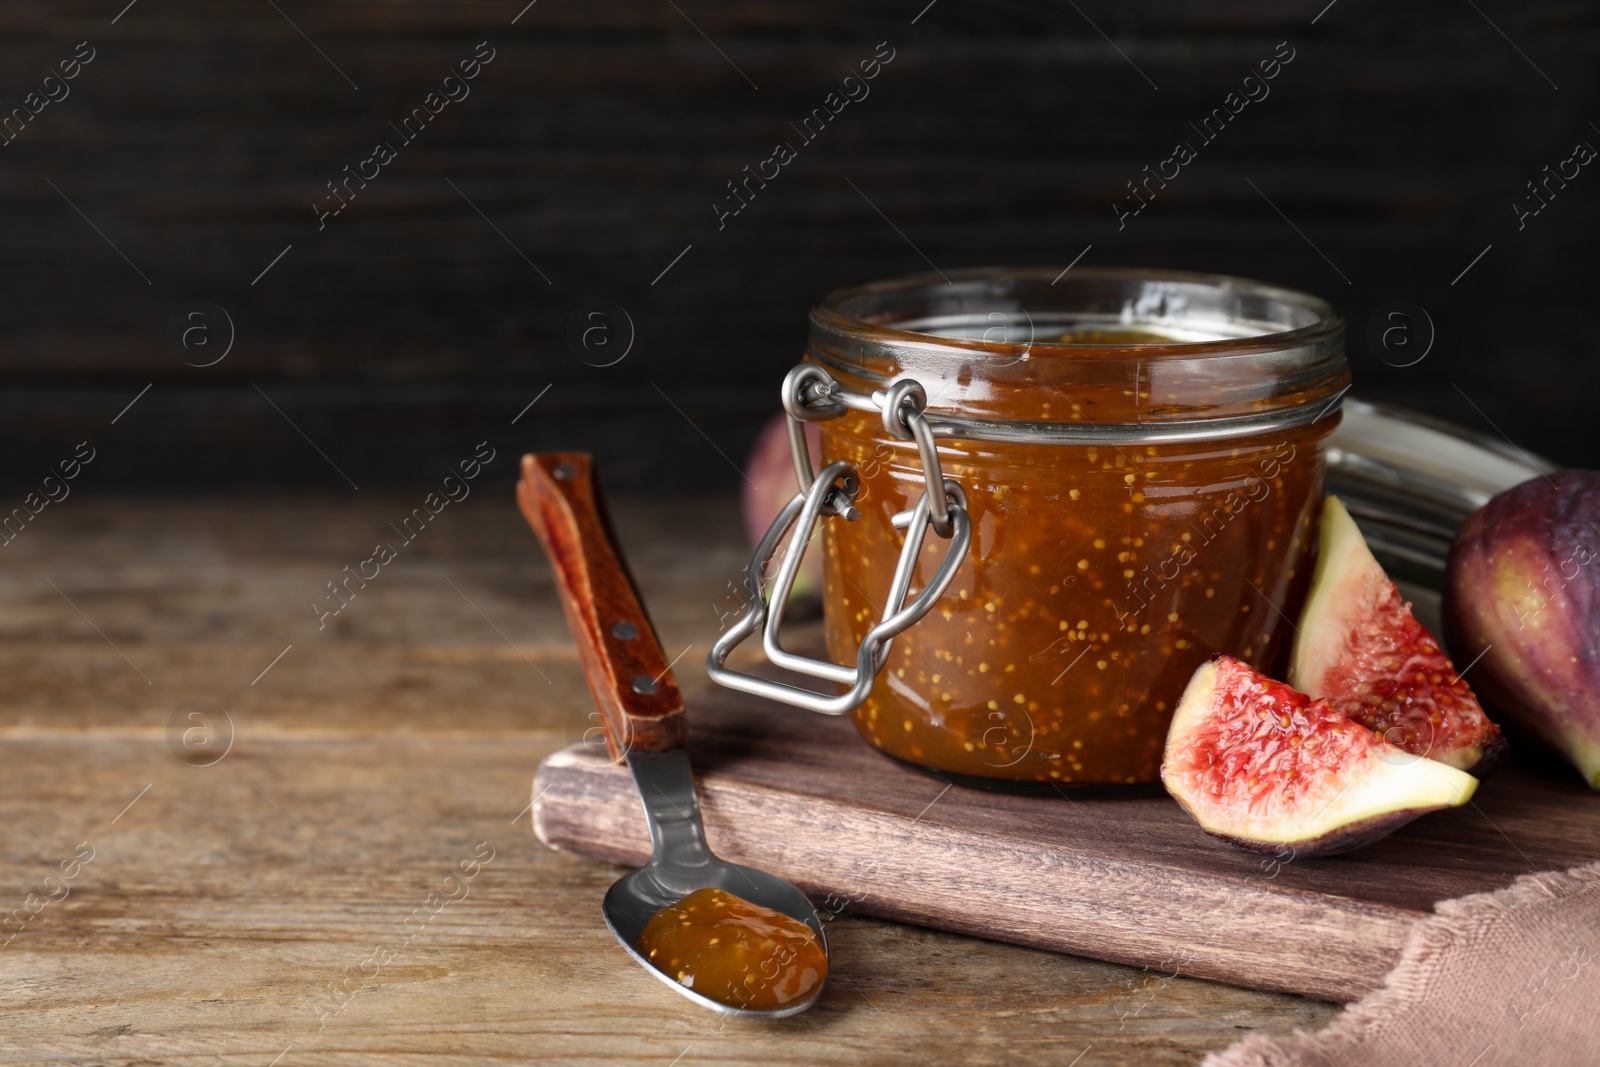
x=1100, y=574
x=735, y=952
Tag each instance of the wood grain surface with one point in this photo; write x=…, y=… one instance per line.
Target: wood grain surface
x=1130, y=879
x=233, y=905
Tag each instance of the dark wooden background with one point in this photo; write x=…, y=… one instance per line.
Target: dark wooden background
x=597, y=141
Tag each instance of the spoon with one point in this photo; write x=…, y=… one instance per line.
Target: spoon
x=643, y=715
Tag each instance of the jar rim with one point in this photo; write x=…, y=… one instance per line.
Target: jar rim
x=833, y=313
x=1233, y=356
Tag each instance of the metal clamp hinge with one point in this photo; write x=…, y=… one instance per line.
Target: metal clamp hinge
x=811, y=395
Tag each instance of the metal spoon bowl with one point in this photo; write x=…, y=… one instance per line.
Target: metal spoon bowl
x=644, y=719
x=682, y=863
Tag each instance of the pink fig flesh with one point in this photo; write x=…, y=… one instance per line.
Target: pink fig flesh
x=1271, y=770
x=1359, y=647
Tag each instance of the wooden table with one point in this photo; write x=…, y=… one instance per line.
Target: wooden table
x=290, y=899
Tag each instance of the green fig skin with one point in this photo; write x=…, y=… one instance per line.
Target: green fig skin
x=1522, y=591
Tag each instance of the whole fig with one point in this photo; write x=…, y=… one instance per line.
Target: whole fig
x=1523, y=593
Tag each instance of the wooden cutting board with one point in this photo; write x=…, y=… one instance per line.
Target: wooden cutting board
x=1127, y=879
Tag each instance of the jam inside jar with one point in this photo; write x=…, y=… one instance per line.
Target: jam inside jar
x=1142, y=458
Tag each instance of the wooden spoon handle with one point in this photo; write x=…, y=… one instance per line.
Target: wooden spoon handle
x=627, y=672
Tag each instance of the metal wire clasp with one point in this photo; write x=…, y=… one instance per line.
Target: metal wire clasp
x=810, y=394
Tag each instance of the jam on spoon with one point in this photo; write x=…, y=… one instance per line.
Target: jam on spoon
x=733, y=951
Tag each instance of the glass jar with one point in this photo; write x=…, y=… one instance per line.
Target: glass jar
x=1138, y=467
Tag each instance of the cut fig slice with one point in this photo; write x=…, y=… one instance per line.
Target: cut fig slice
x=1360, y=649
x=1272, y=770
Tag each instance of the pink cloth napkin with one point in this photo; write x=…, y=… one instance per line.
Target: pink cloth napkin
x=1505, y=979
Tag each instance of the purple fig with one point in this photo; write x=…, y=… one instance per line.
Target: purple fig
x=1522, y=605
